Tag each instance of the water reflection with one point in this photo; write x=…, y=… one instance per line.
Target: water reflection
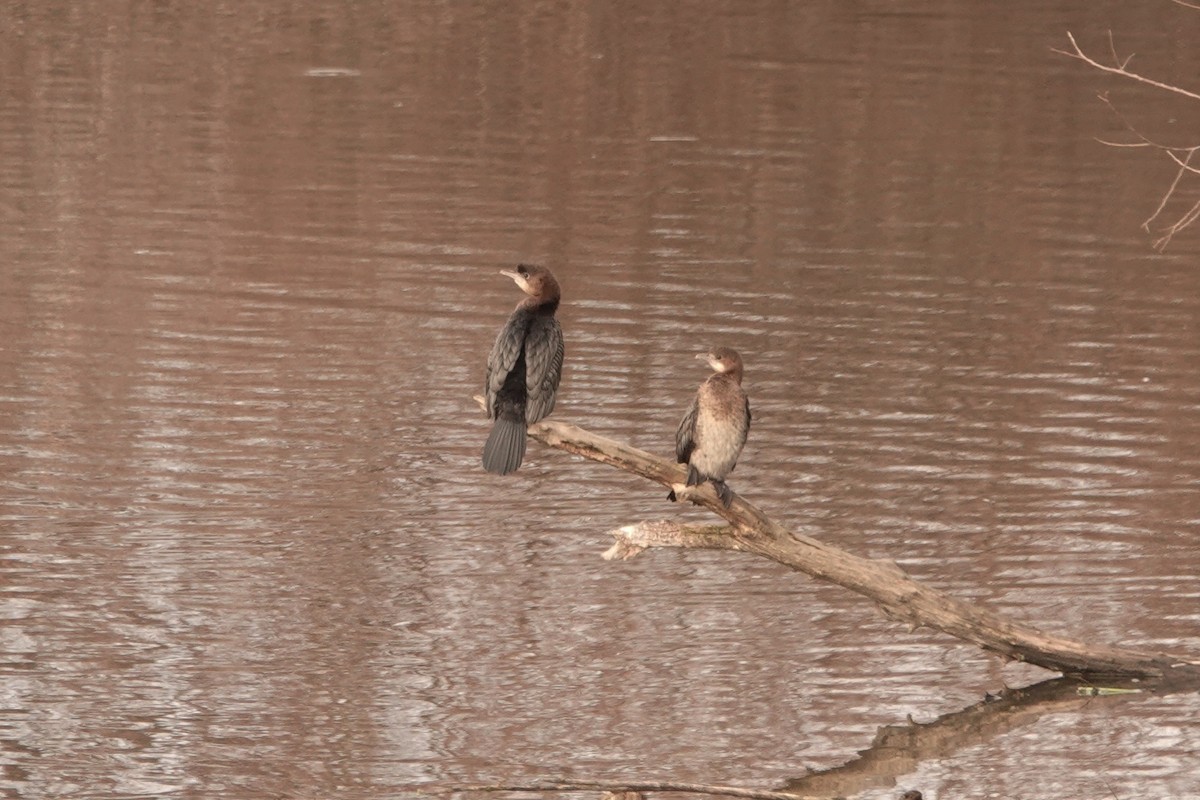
x=250, y=281
x=899, y=751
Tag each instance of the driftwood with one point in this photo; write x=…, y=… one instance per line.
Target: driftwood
x=896, y=594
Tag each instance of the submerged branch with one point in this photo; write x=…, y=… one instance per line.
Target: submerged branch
x=897, y=595
x=896, y=751
x=617, y=788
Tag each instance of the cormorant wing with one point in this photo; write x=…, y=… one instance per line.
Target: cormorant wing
x=543, y=367
x=745, y=428
x=685, y=437
x=506, y=352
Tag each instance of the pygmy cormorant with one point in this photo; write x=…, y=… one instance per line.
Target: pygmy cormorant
x=713, y=431
x=523, y=369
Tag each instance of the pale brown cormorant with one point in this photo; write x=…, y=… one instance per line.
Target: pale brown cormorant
x=523, y=369
x=713, y=431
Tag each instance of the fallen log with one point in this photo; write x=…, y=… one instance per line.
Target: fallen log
x=895, y=593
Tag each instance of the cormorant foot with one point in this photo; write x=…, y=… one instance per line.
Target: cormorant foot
x=723, y=492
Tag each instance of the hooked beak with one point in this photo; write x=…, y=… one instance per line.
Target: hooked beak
x=518, y=278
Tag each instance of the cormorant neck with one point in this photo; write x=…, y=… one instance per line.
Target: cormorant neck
x=544, y=302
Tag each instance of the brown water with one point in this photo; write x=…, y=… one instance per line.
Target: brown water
x=249, y=282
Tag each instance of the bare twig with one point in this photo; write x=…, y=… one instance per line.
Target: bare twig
x=1123, y=144
x=1183, y=162
x=1120, y=68
x=1181, y=156
x=1112, y=48
x=1165, y=199
x=1144, y=140
x=1161, y=243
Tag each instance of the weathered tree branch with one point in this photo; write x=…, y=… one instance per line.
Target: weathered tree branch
x=884, y=582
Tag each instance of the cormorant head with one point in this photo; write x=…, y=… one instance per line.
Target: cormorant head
x=535, y=281
x=723, y=359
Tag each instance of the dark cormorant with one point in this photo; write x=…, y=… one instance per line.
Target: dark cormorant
x=523, y=369
x=713, y=431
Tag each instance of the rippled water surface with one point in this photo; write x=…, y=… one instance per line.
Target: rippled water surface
x=248, y=283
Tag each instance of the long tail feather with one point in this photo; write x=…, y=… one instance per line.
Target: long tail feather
x=505, y=448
